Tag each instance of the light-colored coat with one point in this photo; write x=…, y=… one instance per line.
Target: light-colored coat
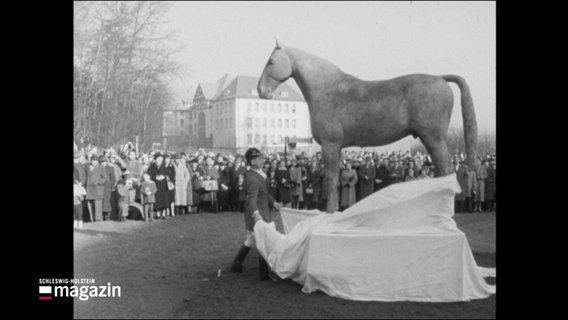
x=481, y=175
x=182, y=179
x=348, y=177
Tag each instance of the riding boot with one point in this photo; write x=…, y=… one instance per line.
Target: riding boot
x=263, y=268
x=241, y=255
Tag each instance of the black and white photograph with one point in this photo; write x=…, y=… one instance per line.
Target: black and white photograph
x=259, y=159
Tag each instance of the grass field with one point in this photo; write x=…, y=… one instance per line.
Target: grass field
x=168, y=269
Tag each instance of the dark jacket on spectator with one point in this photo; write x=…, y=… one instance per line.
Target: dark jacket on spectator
x=367, y=181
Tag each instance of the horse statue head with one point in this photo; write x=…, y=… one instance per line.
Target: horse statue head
x=277, y=70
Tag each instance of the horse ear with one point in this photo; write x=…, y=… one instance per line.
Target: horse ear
x=278, y=45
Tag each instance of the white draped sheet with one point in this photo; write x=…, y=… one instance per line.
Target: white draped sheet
x=398, y=244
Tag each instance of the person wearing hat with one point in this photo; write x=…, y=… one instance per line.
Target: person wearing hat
x=193, y=198
x=367, y=175
x=258, y=201
x=107, y=187
x=96, y=177
x=158, y=172
x=481, y=176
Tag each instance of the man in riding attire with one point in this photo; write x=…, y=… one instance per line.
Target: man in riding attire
x=258, y=201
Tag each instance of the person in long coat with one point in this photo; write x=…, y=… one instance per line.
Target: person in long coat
x=95, y=178
x=158, y=173
x=315, y=183
x=481, y=175
x=307, y=185
x=381, y=175
x=108, y=187
x=470, y=187
x=296, y=178
x=171, y=176
x=348, y=181
x=490, y=184
x=181, y=181
x=367, y=175
x=193, y=199
x=284, y=183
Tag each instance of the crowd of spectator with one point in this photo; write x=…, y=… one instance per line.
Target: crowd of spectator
x=153, y=185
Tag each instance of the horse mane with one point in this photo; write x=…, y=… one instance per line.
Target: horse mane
x=299, y=56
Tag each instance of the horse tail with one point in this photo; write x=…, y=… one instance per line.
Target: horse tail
x=469, y=119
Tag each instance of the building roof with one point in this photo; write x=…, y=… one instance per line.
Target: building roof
x=245, y=87
x=212, y=90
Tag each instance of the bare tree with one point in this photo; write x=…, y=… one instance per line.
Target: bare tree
x=122, y=59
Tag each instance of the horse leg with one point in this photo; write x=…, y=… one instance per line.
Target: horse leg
x=438, y=150
x=330, y=152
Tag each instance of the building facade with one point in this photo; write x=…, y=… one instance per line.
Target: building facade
x=230, y=116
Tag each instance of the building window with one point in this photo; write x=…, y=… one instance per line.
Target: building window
x=279, y=108
x=257, y=123
x=264, y=107
x=279, y=123
x=293, y=108
x=254, y=92
x=249, y=139
x=286, y=108
x=264, y=139
x=272, y=123
x=257, y=138
x=264, y=123
x=256, y=107
x=249, y=106
x=286, y=124
x=181, y=122
x=271, y=138
x=231, y=123
x=181, y=133
x=280, y=139
x=284, y=94
x=294, y=123
x=272, y=107
x=249, y=123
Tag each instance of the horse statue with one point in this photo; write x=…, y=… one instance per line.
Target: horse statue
x=346, y=111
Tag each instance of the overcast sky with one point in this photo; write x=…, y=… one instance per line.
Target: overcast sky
x=369, y=40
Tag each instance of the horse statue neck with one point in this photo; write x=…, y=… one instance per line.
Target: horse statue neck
x=312, y=74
